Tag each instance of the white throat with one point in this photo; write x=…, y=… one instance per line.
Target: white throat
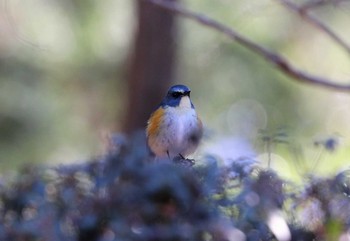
x=185, y=102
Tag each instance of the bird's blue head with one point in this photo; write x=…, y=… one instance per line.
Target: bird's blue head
x=178, y=95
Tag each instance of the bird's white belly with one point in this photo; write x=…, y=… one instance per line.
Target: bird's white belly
x=177, y=129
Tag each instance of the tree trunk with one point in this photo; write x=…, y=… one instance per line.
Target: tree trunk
x=151, y=63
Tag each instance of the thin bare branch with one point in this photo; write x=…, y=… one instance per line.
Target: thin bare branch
x=279, y=61
x=307, y=16
x=320, y=3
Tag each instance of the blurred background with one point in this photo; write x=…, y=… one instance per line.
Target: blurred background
x=73, y=72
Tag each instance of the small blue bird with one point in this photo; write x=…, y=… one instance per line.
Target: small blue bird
x=174, y=129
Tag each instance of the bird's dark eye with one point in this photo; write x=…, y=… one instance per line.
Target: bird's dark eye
x=176, y=94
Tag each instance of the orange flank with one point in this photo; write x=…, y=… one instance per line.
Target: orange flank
x=154, y=122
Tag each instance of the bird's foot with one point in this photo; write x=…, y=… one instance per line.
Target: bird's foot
x=180, y=159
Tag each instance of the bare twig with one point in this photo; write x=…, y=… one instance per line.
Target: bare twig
x=307, y=16
x=319, y=3
x=282, y=64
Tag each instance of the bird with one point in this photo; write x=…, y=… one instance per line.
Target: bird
x=174, y=129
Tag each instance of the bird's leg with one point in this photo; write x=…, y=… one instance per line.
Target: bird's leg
x=167, y=152
x=180, y=155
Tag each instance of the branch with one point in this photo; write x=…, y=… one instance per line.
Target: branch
x=319, y=3
x=305, y=14
x=274, y=58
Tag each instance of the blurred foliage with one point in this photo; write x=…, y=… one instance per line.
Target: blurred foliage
x=58, y=79
x=126, y=196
